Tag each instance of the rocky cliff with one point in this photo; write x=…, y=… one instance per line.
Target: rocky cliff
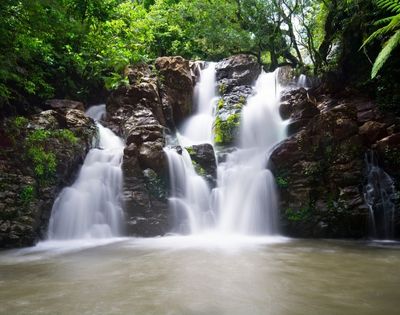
x=321, y=168
x=39, y=155
x=157, y=99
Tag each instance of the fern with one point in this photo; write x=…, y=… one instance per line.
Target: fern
x=389, y=46
x=389, y=5
x=392, y=25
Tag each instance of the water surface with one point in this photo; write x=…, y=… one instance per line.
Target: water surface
x=198, y=275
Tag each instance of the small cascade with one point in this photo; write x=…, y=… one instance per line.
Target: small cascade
x=245, y=199
x=198, y=128
x=302, y=81
x=379, y=194
x=91, y=207
x=190, y=194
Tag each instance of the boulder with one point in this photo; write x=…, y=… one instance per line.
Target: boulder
x=203, y=158
x=176, y=87
x=235, y=77
x=237, y=70
x=372, y=131
x=63, y=104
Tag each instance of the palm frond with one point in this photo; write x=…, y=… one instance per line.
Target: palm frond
x=389, y=46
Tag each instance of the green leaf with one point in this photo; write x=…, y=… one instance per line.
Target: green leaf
x=390, y=45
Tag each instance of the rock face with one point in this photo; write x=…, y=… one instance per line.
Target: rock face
x=299, y=108
x=42, y=154
x=320, y=170
x=176, y=88
x=156, y=99
x=235, y=77
x=203, y=158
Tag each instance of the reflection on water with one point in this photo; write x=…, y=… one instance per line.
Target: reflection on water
x=185, y=275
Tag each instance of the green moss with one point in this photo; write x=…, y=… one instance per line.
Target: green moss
x=220, y=104
x=281, y=182
x=222, y=88
x=27, y=194
x=65, y=134
x=298, y=215
x=155, y=185
x=189, y=150
x=44, y=163
x=199, y=170
x=20, y=121
x=225, y=130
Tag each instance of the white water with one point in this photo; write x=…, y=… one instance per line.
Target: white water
x=198, y=128
x=379, y=194
x=247, y=198
x=91, y=207
x=244, y=201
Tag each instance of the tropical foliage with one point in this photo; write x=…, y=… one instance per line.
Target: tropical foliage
x=73, y=48
x=390, y=28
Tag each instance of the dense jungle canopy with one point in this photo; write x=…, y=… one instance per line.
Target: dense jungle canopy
x=75, y=48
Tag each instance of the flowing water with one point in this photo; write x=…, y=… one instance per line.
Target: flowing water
x=220, y=268
x=244, y=201
x=91, y=207
x=194, y=276
x=380, y=195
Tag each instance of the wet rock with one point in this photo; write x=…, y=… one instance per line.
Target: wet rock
x=319, y=172
x=140, y=113
x=45, y=154
x=237, y=70
x=176, y=87
x=63, y=104
x=299, y=108
x=372, y=131
x=235, y=76
x=203, y=157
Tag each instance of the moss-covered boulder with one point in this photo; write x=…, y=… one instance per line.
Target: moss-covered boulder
x=203, y=159
x=235, y=77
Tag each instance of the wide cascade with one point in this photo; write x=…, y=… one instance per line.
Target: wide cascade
x=244, y=200
x=91, y=207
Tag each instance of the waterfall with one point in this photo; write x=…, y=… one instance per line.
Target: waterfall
x=379, y=194
x=190, y=193
x=91, y=207
x=245, y=199
x=198, y=128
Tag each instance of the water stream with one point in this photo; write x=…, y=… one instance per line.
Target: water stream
x=244, y=201
x=91, y=207
x=380, y=195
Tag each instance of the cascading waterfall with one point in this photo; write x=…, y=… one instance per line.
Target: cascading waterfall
x=190, y=194
x=244, y=201
x=91, y=207
x=379, y=194
x=247, y=201
x=198, y=128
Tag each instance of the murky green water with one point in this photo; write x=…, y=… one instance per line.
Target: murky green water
x=195, y=276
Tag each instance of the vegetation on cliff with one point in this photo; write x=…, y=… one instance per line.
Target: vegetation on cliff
x=70, y=48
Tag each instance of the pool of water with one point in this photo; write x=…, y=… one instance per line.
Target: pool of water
x=202, y=275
